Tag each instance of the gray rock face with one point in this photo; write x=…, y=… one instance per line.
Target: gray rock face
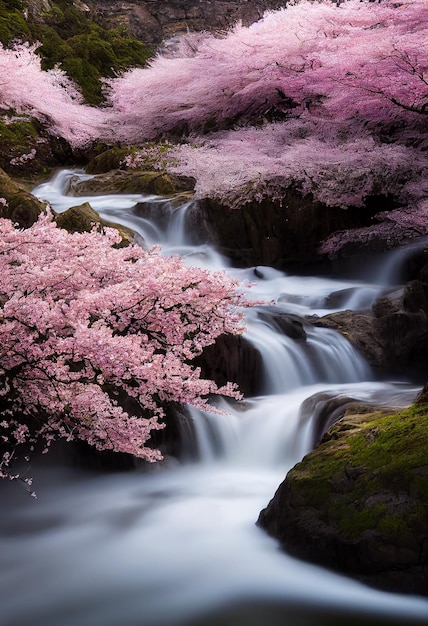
x=155, y=20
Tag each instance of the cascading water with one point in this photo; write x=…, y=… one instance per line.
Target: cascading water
x=178, y=546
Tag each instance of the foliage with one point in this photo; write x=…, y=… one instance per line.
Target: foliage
x=16, y=134
x=359, y=63
x=97, y=339
x=84, y=50
x=332, y=100
x=12, y=23
x=48, y=96
x=19, y=205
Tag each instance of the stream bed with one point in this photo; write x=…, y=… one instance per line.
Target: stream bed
x=177, y=545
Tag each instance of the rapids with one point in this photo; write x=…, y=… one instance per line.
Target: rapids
x=178, y=545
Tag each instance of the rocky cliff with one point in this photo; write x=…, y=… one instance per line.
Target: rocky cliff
x=153, y=21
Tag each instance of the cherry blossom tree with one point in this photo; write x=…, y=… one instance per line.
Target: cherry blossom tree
x=97, y=339
x=360, y=60
x=46, y=95
x=330, y=99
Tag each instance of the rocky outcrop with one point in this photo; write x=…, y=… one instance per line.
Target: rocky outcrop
x=276, y=233
x=393, y=335
x=358, y=503
x=22, y=207
x=27, y=149
x=232, y=358
x=153, y=21
x=132, y=181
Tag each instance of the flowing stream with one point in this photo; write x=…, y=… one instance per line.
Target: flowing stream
x=178, y=545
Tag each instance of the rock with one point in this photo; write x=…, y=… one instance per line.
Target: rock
x=232, y=358
x=404, y=337
x=275, y=233
x=78, y=218
x=109, y=159
x=27, y=149
x=23, y=208
x=81, y=218
x=388, y=304
x=415, y=297
x=286, y=323
x=361, y=331
x=38, y=6
x=392, y=339
x=358, y=503
x=132, y=181
x=325, y=409
x=153, y=21
x=423, y=396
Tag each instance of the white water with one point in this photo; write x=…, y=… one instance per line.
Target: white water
x=179, y=545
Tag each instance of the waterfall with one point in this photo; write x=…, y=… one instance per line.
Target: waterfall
x=178, y=545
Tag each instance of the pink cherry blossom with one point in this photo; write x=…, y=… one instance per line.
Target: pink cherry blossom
x=85, y=325
x=49, y=96
x=331, y=100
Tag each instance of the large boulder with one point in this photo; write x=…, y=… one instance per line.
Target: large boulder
x=233, y=358
x=393, y=334
x=27, y=149
x=393, y=344
x=358, y=503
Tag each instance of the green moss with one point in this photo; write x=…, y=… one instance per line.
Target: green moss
x=17, y=137
x=109, y=159
x=23, y=208
x=78, y=219
x=355, y=521
x=315, y=490
x=12, y=23
x=374, y=477
x=84, y=50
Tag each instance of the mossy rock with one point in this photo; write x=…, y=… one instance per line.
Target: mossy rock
x=18, y=137
x=86, y=51
x=82, y=218
x=12, y=22
x=23, y=208
x=359, y=502
x=78, y=218
x=27, y=150
x=108, y=160
x=135, y=181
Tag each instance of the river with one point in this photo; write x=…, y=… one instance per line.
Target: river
x=178, y=545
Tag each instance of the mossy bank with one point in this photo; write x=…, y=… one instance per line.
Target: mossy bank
x=359, y=502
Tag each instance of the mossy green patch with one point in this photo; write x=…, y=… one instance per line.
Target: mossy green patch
x=22, y=207
x=372, y=478
x=18, y=135
x=107, y=160
x=84, y=50
x=13, y=25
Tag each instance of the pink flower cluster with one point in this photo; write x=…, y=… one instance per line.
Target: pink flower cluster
x=49, y=96
x=332, y=100
x=23, y=158
x=87, y=327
